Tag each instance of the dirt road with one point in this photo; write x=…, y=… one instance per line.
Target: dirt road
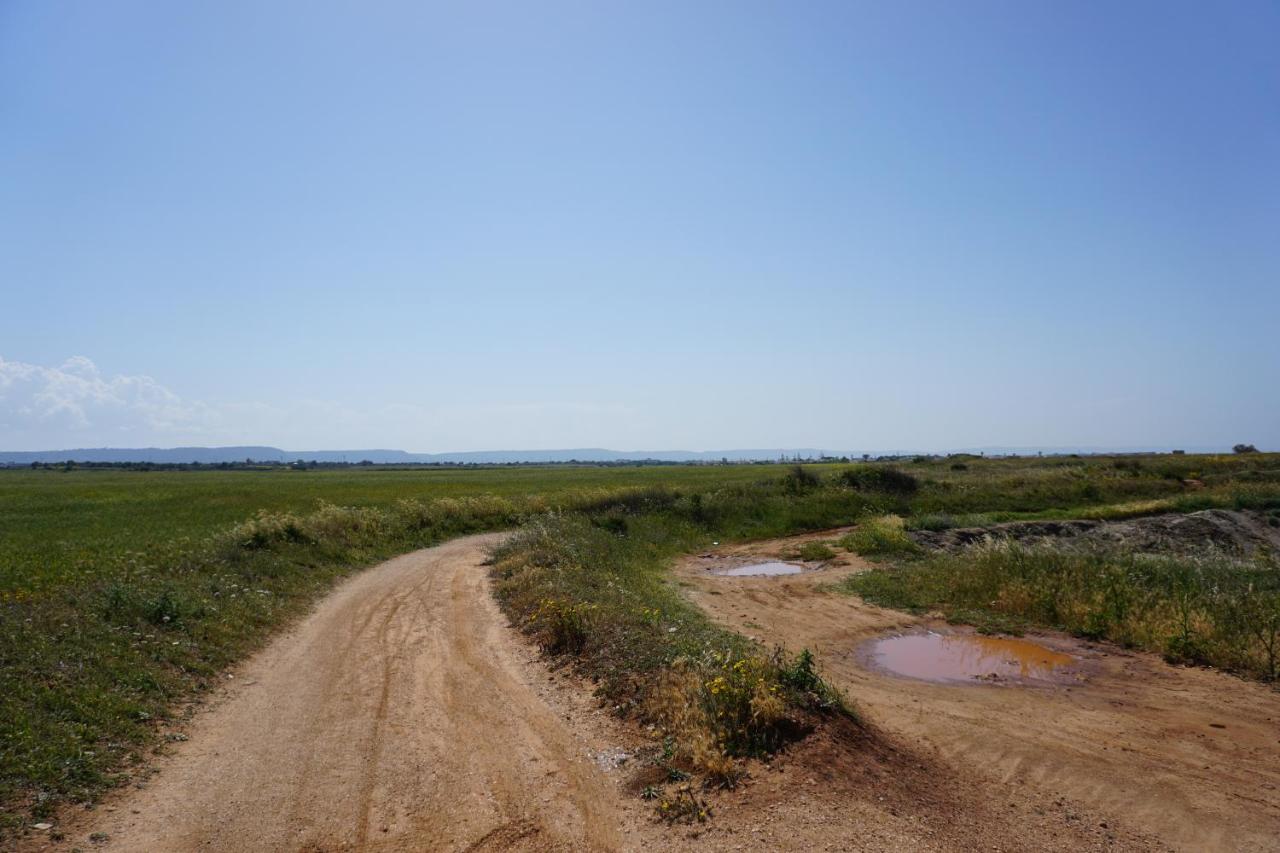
x=1188, y=756
x=400, y=715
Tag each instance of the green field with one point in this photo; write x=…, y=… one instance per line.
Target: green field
x=123, y=592
x=61, y=527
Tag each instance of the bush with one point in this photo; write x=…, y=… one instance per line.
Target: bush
x=815, y=552
x=886, y=480
x=800, y=480
x=562, y=627
x=880, y=536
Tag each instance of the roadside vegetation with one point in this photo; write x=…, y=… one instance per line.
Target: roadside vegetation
x=592, y=589
x=1214, y=609
x=123, y=593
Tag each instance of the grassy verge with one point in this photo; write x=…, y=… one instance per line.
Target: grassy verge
x=1214, y=609
x=594, y=590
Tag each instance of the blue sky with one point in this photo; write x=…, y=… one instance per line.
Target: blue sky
x=649, y=225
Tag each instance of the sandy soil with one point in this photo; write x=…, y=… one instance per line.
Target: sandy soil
x=404, y=714
x=1179, y=756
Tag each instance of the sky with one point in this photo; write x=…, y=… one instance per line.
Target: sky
x=657, y=225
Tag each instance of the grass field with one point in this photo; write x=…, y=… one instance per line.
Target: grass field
x=61, y=527
x=123, y=592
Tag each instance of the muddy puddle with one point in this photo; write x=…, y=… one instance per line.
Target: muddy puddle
x=772, y=567
x=969, y=657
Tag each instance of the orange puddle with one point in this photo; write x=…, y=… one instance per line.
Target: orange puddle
x=961, y=657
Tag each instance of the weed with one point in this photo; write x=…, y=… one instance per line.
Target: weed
x=1211, y=609
x=562, y=627
x=800, y=479
x=880, y=536
x=878, y=479
x=815, y=552
x=683, y=806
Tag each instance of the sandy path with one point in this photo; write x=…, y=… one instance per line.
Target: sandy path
x=1189, y=756
x=400, y=715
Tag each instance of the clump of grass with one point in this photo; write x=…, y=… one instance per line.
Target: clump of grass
x=800, y=479
x=874, y=478
x=815, y=552
x=1214, y=609
x=562, y=626
x=881, y=536
x=936, y=521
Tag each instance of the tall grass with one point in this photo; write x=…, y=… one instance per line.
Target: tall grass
x=879, y=536
x=1211, y=609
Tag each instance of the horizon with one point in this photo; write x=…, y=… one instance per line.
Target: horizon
x=201, y=455
x=707, y=226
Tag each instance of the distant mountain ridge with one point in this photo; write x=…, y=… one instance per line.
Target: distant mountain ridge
x=216, y=455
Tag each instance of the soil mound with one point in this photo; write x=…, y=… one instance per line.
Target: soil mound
x=1241, y=532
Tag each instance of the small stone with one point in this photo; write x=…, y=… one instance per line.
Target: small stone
x=42, y=826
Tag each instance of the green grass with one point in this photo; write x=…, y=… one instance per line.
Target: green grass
x=1215, y=609
x=815, y=552
x=879, y=536
x=61, y=528
x=1212, y=609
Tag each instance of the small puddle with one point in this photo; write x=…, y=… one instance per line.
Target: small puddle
x=962, y=657
x=771, y=568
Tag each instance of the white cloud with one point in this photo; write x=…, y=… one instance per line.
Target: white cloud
x=43, y=406
x=76, y=405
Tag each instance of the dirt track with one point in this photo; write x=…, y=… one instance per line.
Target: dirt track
x=399, y=716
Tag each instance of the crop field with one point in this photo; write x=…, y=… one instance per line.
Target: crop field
x=61, y=527
x=124, y=592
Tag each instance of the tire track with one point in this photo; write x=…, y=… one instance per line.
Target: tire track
x=397, y=716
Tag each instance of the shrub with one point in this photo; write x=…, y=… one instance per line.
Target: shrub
x=880, y=536
x=815, y=552
x=874, y=479
x=800, y=480
x=270, y=528
x=562, y=627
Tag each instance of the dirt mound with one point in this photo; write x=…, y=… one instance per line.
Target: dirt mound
x=1233, y=531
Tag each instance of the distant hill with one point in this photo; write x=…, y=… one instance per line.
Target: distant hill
x=215, y=455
